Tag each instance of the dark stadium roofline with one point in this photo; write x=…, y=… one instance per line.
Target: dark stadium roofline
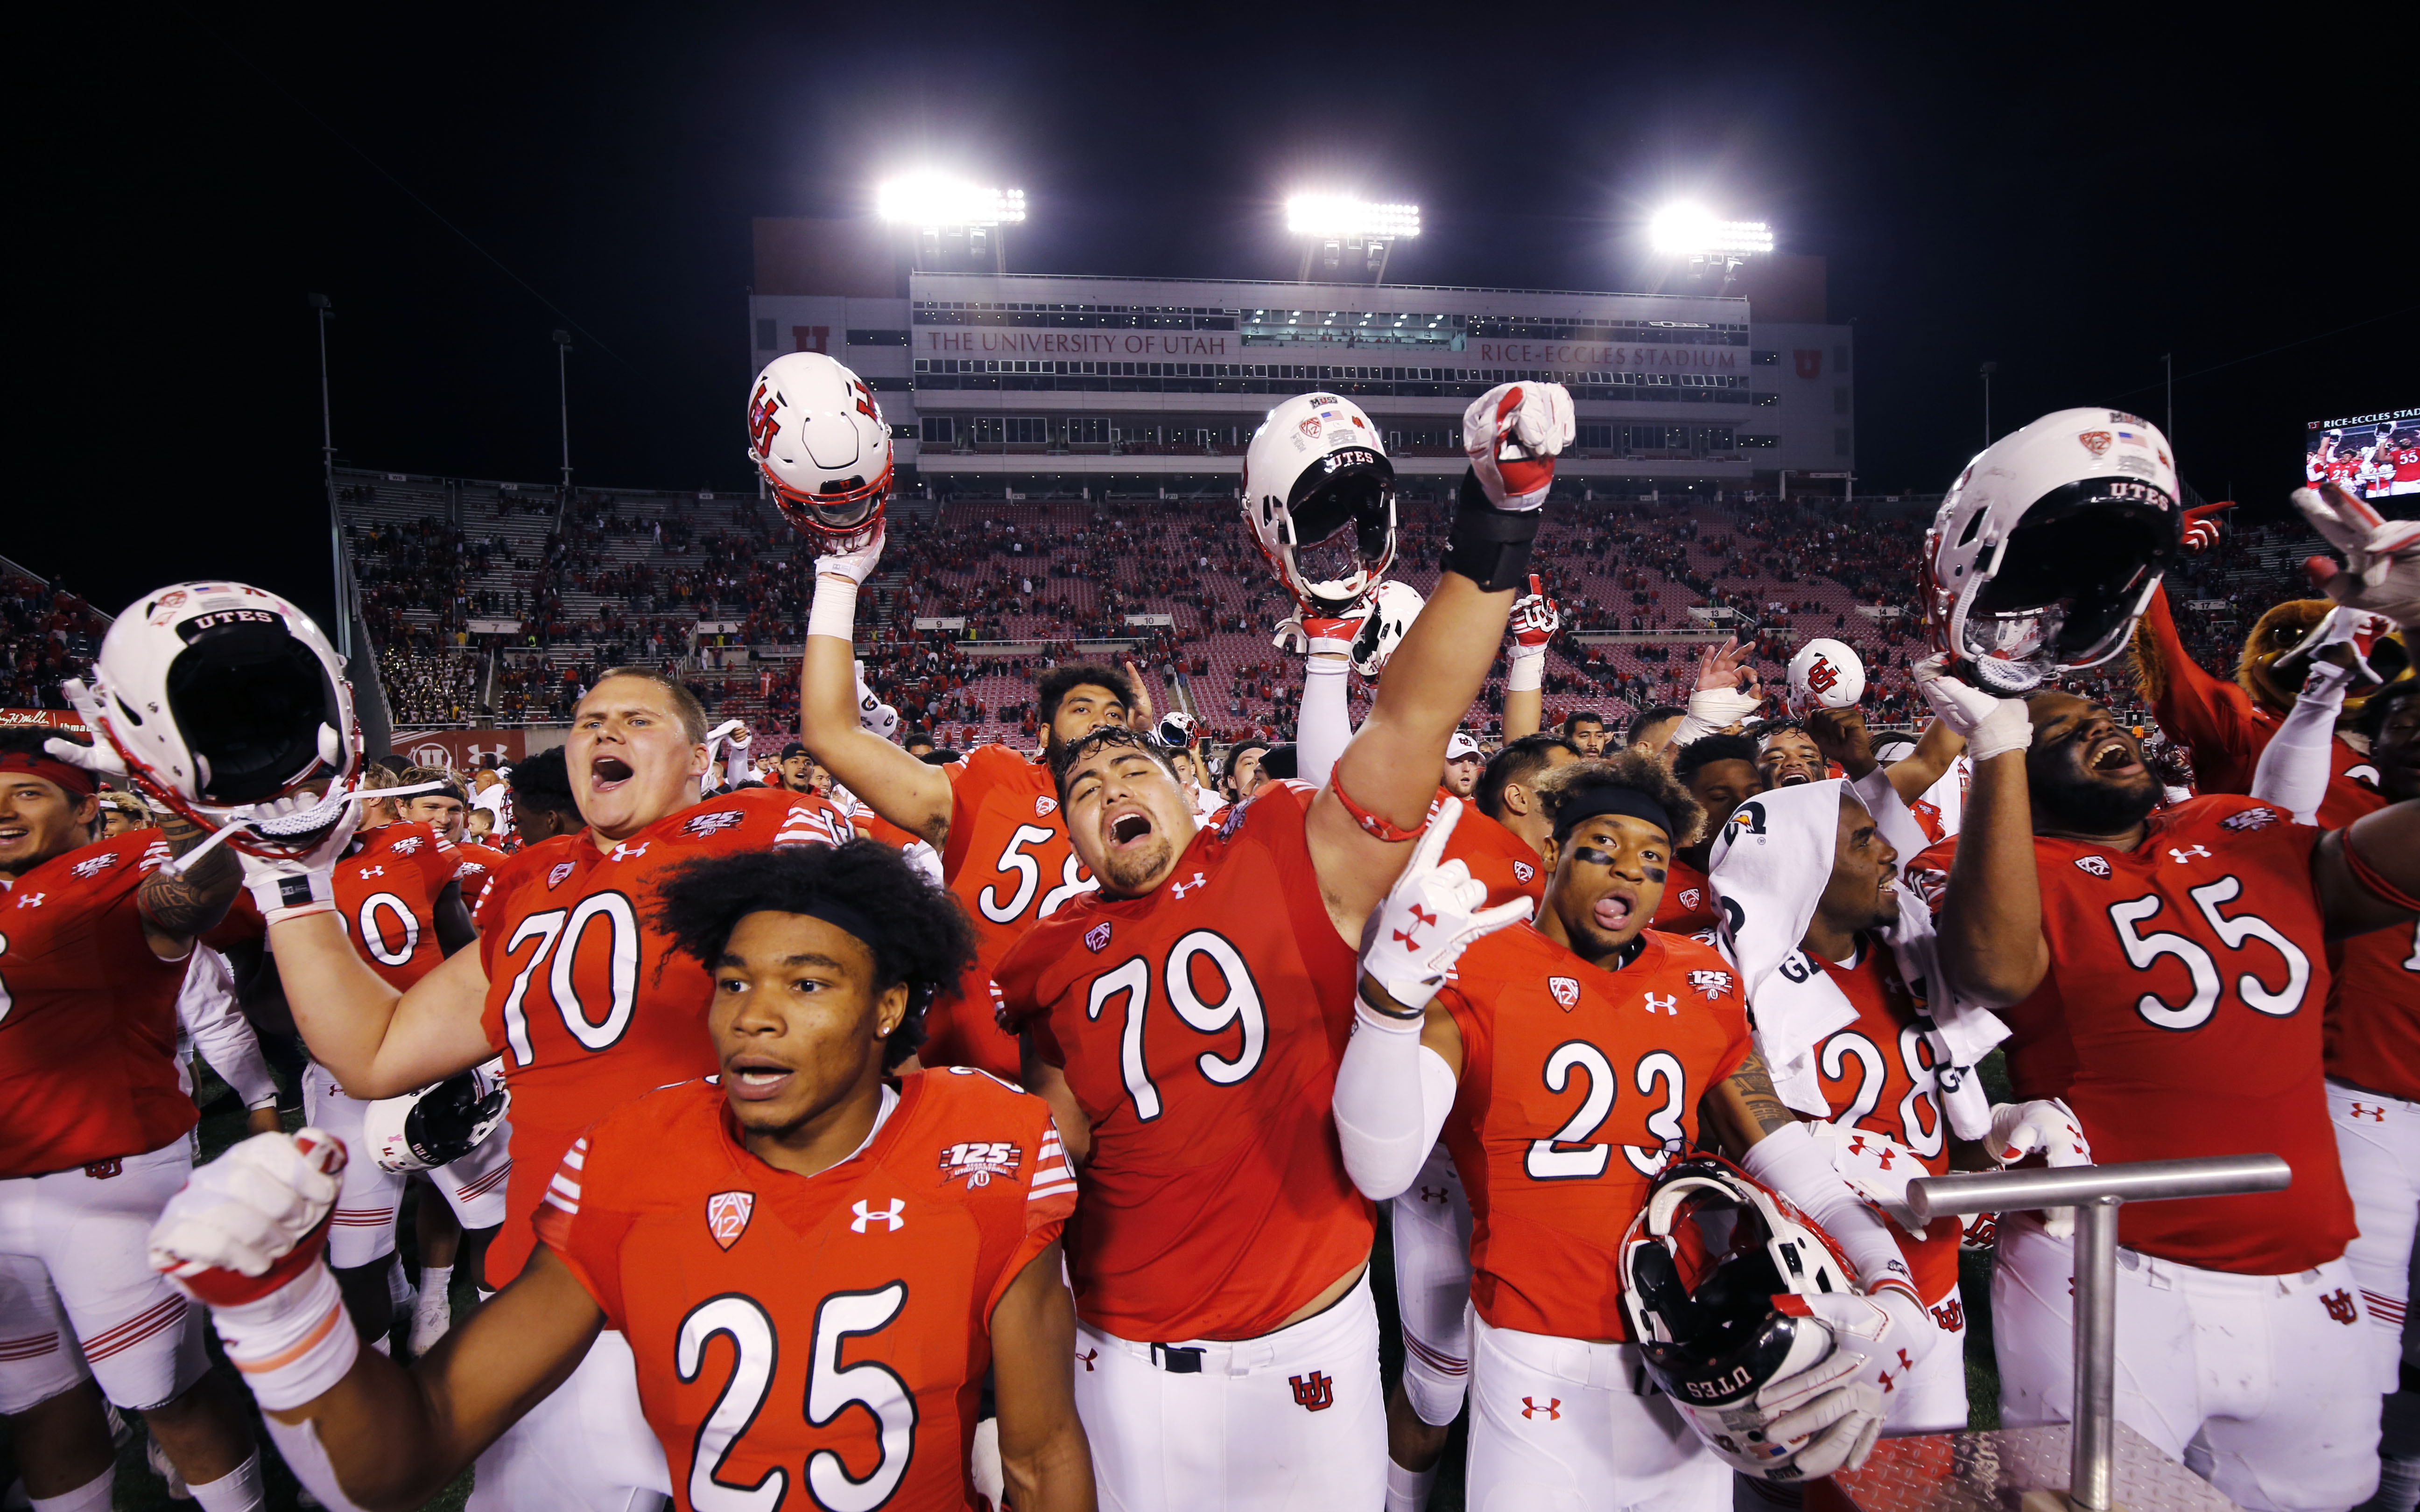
x=1288, y=282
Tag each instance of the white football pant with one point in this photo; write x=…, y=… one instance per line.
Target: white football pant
x=2265, y=1385
x=585, y=1448
x=361, y=1229
x=90, y=1231
x=1562, y=1425
x=1931, y=1398
x=2378, y=1140
x=1292, y=1421
x=1431, y=1222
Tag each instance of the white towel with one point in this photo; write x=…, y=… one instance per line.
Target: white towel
x=1770, y=866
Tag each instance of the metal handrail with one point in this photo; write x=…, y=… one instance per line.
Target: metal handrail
x=2095, y=1192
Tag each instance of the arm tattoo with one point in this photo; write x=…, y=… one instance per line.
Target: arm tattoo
x=1754, y=1086
x=184, y=907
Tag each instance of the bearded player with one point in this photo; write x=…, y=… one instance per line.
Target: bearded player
x=817, y=433
x=1720, y=772
x=94, y=943
x=585, y=998
x=815, y=1261
x=1514, y=1058
x=1186, y=1020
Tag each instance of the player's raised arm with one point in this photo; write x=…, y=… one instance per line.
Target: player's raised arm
x=1380, y=791
x=1535, y=619
x=900, y=788
x=1991, y=925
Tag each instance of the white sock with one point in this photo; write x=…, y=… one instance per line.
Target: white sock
x=298, y=1444
x=1408, y=1491
x=238, y=1490
x=2399, y=1484
x=435, y=1281
x=398, y=1290
x=92, y=1496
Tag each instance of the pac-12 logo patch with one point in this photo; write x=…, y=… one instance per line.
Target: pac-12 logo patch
x=2096, y=441
x=1043, y=806
x=726, y=1215
x=709, y=823
x=2092, y=865
x=1523, y=870
x=561, y=869
x=1566, y=991
x=1097, y=938
x=978, y=1161
x=1691, y=898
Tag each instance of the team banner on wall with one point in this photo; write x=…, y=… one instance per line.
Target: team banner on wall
x=53, y=718
x=464, y=750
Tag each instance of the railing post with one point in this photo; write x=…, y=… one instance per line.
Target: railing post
x=2093, y=1450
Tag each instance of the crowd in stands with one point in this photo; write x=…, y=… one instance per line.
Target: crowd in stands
x=47, y=634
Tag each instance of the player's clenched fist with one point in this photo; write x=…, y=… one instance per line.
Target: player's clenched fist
x=2382, y=565
x=1512, y=434
x=1433, y=914
x=2048, y=1128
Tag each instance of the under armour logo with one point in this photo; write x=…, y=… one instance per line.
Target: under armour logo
x=1409, y=939
x=627, y=851
x=1884, y=1154
x=1181, y=888
x=2339, y=1306
x=373, y=871
x=1552, y=1407
x=31, y=900
x=1889, y=1383
x=1433, y=1193
x=1086, y=1357
x=1670, y=1003
x=2188, y=854
x=2374, y=1112
x=1314, y=1393
x=894, y=1216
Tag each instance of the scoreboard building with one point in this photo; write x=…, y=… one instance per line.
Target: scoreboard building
x=1057, y=386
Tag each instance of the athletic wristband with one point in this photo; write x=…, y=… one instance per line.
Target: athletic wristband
x=293, y=1345
x=2376, y=883
x=1487, y=544
x=1375, y=826
x=1380, y=1016
x=834, y=610
x=294, y=895
x=1525, y=670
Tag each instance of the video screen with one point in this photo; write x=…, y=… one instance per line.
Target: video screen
x=2373, y=456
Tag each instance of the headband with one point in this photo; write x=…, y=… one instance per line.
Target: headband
x=75, y=780
x=1609, y=798
x=840, y=916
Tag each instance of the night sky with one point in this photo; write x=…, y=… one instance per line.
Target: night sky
x=2067, y=195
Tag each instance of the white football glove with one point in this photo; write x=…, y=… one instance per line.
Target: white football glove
x=1512, y=434
x=1876, y=1166
x=1990, y=726
x=2382, y=565
x=1535, y=618
x=1430, y=917
x=288, y=888
x=100, y=757
x=2049, y=1128
x=245, y=1213
x=1830, y=1404
x=856, y=566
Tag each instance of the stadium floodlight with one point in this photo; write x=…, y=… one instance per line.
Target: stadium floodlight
x=1344, y=217
x=932, y=199
x=1684, y=230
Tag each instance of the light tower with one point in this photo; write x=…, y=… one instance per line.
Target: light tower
x=947, y=215
x=1353, y=237
x=1715, y=249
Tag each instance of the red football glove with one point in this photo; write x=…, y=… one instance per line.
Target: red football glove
x=1535, y=617
x=1512, y=434
x=2202, y=526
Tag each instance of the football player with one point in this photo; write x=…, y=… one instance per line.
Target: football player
x=2163, y=974
x=1720, y=772
x=447, y=813
x=873, y=1292
x=1786, y=753
x=580, y=992
x=1185, y=1021
x=93, y=940
x=1585, y=729
x=1514, y=1058
x=541, y=801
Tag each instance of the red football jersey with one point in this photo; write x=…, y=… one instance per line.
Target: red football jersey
x=866, y=1294
x=2374, y=1013
x=2182, y=1016
x=1689, y=905
x=572, y=956
x=1008, y=862
x=1879, y=1073
x=1497, y=857
x=88, y=1014
x=1201, y=1028
x=386, y=893
x=479, y=866
x=2226, y=731
x=1579, y=1085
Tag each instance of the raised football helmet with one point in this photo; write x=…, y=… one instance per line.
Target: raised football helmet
x=1176, y=730
x=1320, y=496
x=219, y=696
x=438, y=1124
x=2046, y=549
x=817, y=435
x=1716, y=1278
x=1386, y=618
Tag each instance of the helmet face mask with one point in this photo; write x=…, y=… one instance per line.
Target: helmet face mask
x=249, y=699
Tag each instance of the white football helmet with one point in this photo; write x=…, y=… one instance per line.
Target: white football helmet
x=1320, y=496
x=439, y=1123
x=1827, y=674
x=817, y=433
x=1386, y=618
x=218, y=696
x=2046, y=549
x=1177, y=731
x=1712, y=1270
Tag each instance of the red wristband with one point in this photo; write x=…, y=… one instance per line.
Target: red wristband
x=2377, y=882
x=1375, y=826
